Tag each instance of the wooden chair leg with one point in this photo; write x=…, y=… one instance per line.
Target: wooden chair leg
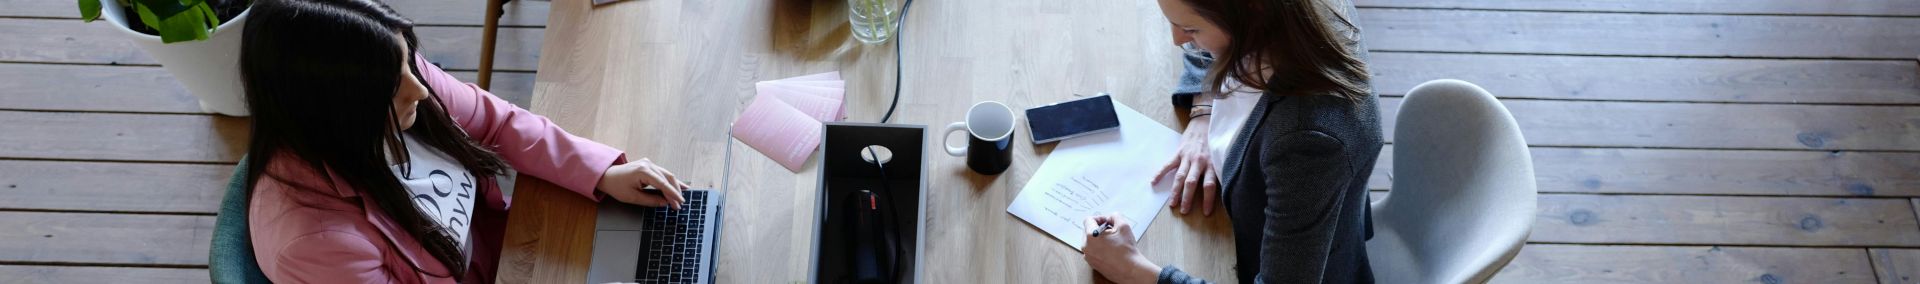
x=489, y=33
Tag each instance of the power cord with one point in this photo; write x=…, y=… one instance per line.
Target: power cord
x=893, y=213
x=893, y=219
x=899, y=39
x=899, y=56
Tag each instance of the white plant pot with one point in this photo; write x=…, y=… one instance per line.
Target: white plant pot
x=210, y=69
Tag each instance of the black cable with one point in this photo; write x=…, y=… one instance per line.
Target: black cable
x=899, y=39
x=893, y=212
x=893, y=215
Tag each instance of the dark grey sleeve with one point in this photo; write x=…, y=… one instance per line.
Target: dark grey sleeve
x=1192, y=79
x=1173, y=275
x=1306, y=175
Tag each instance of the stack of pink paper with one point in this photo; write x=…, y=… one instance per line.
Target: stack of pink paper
x=786, y=115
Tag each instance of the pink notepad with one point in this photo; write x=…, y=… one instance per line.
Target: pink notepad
x=823, y=104
x=785, y=117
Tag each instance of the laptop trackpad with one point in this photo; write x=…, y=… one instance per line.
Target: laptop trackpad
x=613, y=257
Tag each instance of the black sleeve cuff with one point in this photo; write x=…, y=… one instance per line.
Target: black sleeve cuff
x=1192, y=79
x=1172, y=275
x=1183, y=100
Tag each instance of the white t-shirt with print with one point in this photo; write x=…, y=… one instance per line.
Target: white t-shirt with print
x=440, y=186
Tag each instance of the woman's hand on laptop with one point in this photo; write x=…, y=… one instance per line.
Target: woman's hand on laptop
x=627, y=182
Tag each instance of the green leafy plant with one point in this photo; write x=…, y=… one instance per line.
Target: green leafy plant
x=176, y=20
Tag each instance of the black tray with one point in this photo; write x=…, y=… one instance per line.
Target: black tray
x=843, y=171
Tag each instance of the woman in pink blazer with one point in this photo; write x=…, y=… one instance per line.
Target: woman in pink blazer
x=371, y=165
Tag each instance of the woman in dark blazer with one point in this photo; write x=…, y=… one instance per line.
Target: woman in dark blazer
x=1291, y=89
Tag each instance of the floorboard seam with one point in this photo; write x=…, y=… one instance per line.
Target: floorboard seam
x=1656, y=244
x=105, y=212
x=1895, y=59
x=101, y=264
x=1576, y=11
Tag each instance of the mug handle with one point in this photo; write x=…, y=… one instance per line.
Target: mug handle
x=947, y=139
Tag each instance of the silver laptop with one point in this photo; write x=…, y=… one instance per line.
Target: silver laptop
x=656, y=245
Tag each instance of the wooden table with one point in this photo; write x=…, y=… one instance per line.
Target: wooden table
x=663, y=78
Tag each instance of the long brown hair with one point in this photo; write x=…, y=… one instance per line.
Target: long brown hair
x=1294, y=39
x=320, y=78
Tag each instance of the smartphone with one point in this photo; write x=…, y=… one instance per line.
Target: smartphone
x=1070, y=119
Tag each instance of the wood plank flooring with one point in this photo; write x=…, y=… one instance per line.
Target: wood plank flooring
x=108, y=170
x=1689, y=141
x=1700, y=141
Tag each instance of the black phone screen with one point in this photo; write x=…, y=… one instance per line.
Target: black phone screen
x=1069, y=119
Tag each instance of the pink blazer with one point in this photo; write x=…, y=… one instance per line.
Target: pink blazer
x=308, y=227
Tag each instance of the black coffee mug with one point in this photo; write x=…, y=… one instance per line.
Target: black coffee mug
x=989, y=128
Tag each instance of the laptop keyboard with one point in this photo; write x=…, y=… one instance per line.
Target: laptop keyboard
x=671, y=240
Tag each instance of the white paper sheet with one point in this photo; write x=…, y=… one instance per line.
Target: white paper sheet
x=1097, y=174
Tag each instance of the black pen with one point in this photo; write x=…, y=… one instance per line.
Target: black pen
x=1103, y=228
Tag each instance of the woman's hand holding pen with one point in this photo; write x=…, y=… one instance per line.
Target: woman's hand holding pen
x=1109, y=250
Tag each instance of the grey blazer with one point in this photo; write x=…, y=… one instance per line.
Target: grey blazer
x=1295, y=188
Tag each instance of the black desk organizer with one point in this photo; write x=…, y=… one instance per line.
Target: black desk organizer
x=844, y=171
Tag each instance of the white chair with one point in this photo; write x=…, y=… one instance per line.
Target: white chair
x=1463, y=192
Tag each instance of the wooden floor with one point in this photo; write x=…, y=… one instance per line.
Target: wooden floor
x=1703, y=141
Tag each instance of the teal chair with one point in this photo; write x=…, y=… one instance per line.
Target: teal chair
x=231, y=259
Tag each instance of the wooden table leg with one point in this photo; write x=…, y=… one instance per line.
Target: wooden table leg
x=487, y=34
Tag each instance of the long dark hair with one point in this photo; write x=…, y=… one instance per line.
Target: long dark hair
x=1295, y=39
x=320, y=78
